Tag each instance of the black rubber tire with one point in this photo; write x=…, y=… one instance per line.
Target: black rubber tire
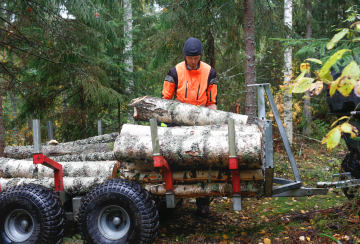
x=132, y=198
x=44, y=207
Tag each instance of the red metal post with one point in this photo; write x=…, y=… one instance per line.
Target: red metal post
x=235, y=174
x=160, y=162
x=58, y=172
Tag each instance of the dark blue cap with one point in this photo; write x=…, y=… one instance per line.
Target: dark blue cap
x=192, y=47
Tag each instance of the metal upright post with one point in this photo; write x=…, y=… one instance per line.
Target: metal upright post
x=37, y=136
x=50, y=130
x=100, y=127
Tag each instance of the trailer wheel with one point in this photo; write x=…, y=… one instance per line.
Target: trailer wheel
x=31, y=214
x=118, y=211
x=351, y=164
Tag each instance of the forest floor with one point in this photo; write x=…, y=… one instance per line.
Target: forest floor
x=330, y=218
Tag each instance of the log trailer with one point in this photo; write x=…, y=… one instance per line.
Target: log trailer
x=123, y=209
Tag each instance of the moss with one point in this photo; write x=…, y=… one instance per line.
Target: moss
x=111, y=146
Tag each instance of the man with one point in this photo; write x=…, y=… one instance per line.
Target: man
x=193, y=82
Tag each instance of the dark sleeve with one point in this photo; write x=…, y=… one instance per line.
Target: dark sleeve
x=170, y=84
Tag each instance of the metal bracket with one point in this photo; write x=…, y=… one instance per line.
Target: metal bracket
x=288, y=186
x=76, y=202
x=161, y=163
x=234, y=167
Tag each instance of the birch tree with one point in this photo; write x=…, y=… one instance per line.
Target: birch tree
x=2, y=127
x=288, y=73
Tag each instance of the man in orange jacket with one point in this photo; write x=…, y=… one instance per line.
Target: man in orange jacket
x=192, y=81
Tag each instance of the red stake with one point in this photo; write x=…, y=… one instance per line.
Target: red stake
x=58, y=172
x=160, y=162
x=234, y=167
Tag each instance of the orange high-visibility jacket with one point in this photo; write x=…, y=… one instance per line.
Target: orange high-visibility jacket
x=197, y=87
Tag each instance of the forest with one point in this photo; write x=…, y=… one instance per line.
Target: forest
x=76, y=63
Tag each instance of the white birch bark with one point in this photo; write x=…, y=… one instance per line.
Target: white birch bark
x=97, y=156
x=12, y=168
x=186, y=149
x=192, y=175
x=72, y=186
x=213, y=189
x=171, y=111
x=288, y=73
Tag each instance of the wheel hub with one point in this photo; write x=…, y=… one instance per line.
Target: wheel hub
x=19, y=225
x=113, y=222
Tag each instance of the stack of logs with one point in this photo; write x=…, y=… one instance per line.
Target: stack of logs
x=197, y=151
x=85, y=163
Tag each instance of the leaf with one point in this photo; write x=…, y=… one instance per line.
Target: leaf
x=332, y=139
x=357, y=23
x=303, y=85
x=357, y=88
x=315, y=60
x=316, y=87
x=308, y=238
x=337, y=38
x=334, y=86
x=225, y=236
x=343, y=117
x=348, y=78
x=267, y=241
x=348, y=128
x=305, y=67
x=331, y=61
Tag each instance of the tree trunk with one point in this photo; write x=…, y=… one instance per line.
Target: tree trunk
x=98, y=156
x=72, y=186
x=250, y=70
x=83, y=111
x=192, y=175
x=15, y=133
x=188, y=149
x=307, y=103
x=288, y=74
x=22, y=152
x=11, y=168
x=170, y=111
x=211, y=48
x=2, y=126
x=248, y=188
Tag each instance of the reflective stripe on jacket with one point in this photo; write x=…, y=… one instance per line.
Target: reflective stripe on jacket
x=197, y=87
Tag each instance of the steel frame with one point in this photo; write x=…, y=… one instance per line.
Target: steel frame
x=288, y=188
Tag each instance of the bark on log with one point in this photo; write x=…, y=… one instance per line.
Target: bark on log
x=72, y=186
x=11, y=168
x=22, y=152
x=192, y=175
x=170, y=111
x=101, y=156
x=248, y=188
x=196, y=149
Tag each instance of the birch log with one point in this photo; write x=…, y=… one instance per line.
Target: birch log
x=193, y=175
x=98, y=156
x=171, y=111
x=22, y=152
x=12, y=168
x=214, y=189
x=196, y=149
x=72, y=186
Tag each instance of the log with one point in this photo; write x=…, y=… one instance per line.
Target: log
x=22, y=152
x=101, y=156
x=171, y=111
x=12, y=168
x=192, y=175
x=72, y=186
x=196, y=149
x=248, y=188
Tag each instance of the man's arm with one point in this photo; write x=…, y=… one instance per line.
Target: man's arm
x=170, y=84
x=212, y=90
